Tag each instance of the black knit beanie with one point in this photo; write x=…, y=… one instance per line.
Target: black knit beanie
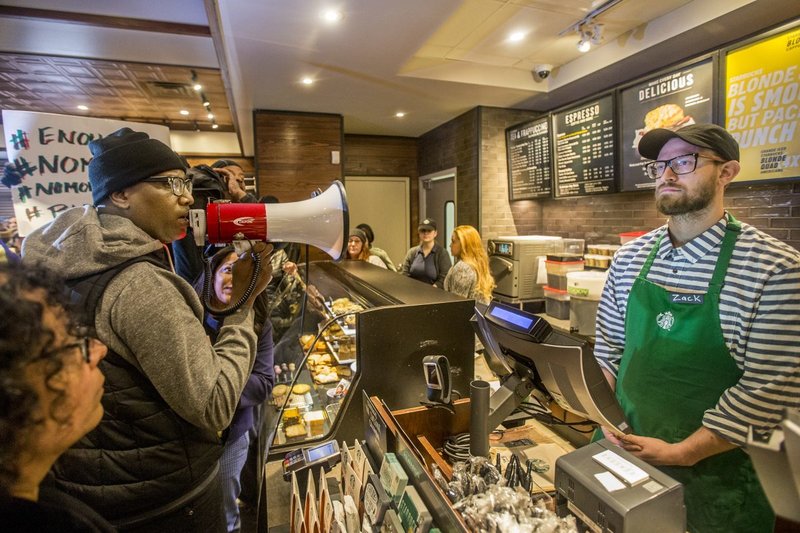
x=126, y=157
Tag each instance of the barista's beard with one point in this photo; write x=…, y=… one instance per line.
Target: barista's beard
x=686, y=204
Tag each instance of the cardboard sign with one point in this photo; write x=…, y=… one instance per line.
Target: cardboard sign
x=51, y=152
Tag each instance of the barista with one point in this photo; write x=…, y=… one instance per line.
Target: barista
x=698, y=329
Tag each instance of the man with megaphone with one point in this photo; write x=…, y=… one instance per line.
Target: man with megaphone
x=152, y=463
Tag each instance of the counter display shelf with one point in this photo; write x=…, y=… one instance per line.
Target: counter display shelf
x=364, y=329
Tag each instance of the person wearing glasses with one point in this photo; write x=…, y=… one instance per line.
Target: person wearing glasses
x=152, y=462
x=50, y=398
x=697, y=332
x=427, y=262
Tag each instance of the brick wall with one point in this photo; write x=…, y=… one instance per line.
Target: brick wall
x=498, y=215
x=455, y=144
x=773, y=208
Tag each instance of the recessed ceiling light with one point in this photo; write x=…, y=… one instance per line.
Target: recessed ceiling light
x=184, y=112
x=197, y=87
x=83, y=107
x=400, y=114
x=332, y=15
x=307, y=81
x=516, y=36
x=214, y=126
x=210, y=116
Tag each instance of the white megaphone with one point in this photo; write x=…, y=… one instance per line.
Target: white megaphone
x=321, y=221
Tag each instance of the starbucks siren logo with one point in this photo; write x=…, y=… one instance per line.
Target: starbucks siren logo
x=665, y=320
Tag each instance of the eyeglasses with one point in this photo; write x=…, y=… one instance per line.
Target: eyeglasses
x=84, y=343
x=682, y=164
x=179, y=185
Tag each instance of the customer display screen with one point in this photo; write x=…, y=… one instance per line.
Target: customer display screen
x=506, y=315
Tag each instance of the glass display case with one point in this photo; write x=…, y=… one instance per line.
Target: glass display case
x=363, y=328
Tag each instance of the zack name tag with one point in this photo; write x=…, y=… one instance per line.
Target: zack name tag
x=686, y=298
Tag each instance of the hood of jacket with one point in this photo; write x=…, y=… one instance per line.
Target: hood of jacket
x=83, y=241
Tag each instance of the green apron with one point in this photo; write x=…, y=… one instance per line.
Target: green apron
x=676, y=366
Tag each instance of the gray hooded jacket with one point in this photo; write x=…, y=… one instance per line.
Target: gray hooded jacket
x=152, y=319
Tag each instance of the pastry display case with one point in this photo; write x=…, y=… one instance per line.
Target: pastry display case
x=363, y=328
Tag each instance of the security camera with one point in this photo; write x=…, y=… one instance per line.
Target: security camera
x=542, y=71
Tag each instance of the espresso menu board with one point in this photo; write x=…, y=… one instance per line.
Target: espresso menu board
x=528, y=154
x=585, y=160
x=672, y=100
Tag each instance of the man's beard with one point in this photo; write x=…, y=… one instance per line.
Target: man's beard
x=685, y=204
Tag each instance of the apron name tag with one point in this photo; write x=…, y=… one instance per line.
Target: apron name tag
x=682, y=298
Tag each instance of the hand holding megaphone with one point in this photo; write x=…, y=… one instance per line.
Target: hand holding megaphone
x=322, y=221
x=251, y=274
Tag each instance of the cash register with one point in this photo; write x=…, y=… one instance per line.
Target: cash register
x=607, y=488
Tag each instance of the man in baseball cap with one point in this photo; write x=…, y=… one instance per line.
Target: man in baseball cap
x=693, y=323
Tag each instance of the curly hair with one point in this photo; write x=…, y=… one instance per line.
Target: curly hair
x=25, y=293
x=473, y=253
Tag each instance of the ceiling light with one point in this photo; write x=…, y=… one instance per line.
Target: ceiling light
x=83, y=107
x=516, y=36
x=197, y=87
x=184, y=112
x=400, y=114
x=210, y=116
x=307, y=81
x=590, y=31
x=214, y=126
x=332, y=15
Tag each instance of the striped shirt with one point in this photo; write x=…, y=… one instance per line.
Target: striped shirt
x=759, y=312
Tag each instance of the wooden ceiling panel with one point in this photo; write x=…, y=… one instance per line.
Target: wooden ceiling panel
x=113, y=89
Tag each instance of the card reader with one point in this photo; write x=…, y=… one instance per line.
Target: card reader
x=326, y=454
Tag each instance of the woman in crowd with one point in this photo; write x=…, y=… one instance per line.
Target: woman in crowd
x=427, y=262
x=50, y=391
x=470, y=277
x=256, y=391
x=358, y=249
x=377, y=252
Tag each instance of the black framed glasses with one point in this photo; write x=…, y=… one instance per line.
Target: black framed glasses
x=84, y=344
x=682, y=164
x=179, y=185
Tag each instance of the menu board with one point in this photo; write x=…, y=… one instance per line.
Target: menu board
x=762, y=84
x=672, y=100
x=585, y=154
x=529, y=165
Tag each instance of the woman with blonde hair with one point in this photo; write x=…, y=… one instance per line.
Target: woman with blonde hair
x=470, y=277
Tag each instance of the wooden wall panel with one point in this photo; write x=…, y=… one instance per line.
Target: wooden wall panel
x=293, y=152
x=376, y=156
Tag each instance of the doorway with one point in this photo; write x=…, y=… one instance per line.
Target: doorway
x=437, y=200
x=384, y=204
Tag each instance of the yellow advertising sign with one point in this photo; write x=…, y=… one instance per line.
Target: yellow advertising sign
x=763, y=106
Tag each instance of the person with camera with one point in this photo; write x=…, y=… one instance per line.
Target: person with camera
x=152, y=462
x=223, y=180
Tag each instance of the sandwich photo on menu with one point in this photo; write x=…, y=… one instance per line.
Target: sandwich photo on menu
x=669, y=116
